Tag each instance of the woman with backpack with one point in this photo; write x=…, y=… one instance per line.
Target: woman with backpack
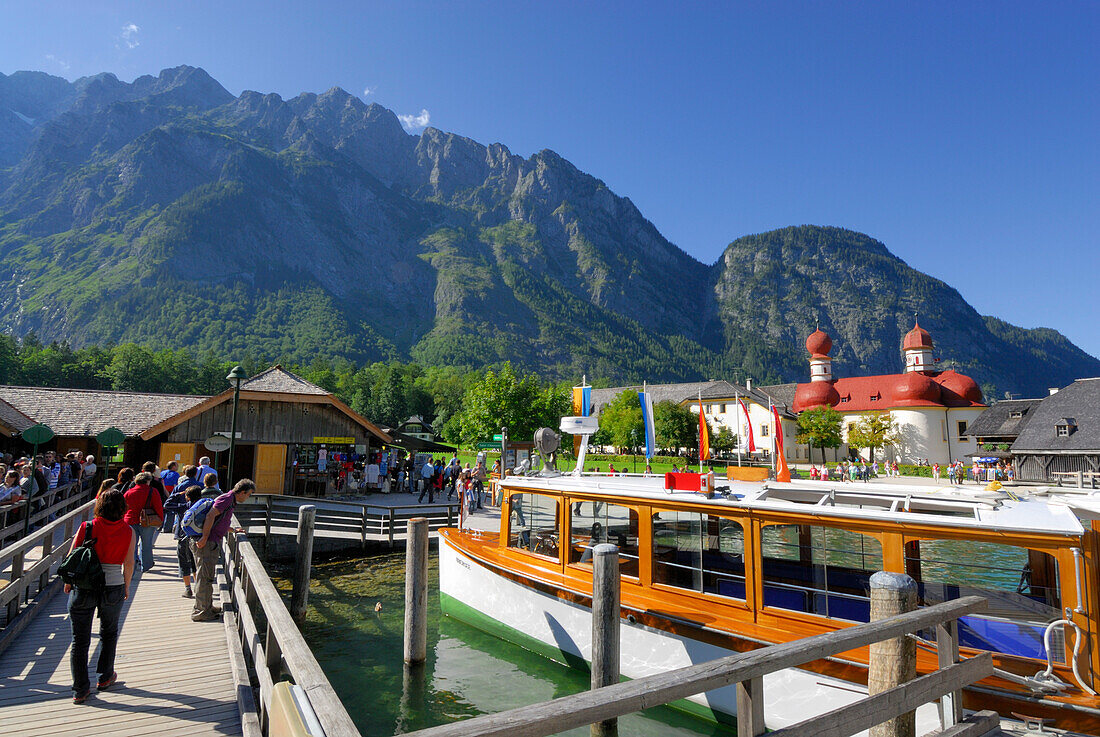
x=145, y=511
x=114, y=546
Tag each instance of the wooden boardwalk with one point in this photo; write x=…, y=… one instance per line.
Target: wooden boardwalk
x=174, y=675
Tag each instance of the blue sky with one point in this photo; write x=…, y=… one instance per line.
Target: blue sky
x=962, y=135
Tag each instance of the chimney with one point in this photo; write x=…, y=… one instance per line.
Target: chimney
x=748, y=384
x=1053, y=390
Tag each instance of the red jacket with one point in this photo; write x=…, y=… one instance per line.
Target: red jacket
x=137, y=497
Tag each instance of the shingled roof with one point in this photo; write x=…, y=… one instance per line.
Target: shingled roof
x=998, y=420
x=275, y=380
x=12, y=421
x=780, y=393
x=1081, y=401
x=278, y=379
x=88, y=412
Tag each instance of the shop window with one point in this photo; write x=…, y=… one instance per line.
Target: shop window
x=1021, y=586
x=699, y=552
x=593, y=523
x=819, y=570
x=533, y=524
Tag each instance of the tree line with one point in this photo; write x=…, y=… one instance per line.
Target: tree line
x=464, y=406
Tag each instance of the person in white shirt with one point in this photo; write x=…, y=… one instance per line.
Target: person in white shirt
x=426, y=474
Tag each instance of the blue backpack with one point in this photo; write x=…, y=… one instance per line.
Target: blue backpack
x=195, y=516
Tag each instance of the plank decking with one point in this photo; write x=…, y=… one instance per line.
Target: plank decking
x=174, y=675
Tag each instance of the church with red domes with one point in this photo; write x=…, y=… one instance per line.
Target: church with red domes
x=932, y=408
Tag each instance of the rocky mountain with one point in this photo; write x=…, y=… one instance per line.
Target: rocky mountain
x=167, y=211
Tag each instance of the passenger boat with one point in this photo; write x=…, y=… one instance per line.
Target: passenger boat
x=750, y=564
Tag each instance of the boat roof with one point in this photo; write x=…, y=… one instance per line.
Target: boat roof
x=947, y=506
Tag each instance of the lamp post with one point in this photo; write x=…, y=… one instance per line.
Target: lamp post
x=235, y=376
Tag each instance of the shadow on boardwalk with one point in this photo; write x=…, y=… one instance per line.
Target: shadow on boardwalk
x=174, y=675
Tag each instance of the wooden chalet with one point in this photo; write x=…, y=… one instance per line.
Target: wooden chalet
x=283, y=422
x=1062, y=435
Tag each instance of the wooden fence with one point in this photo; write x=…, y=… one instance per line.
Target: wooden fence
x=29, y=565
x=275, y=514
x=267, y=644
x=13, y=517
x=747, y=670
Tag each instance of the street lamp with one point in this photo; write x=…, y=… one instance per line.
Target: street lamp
x=634, y=448
x=235, y=376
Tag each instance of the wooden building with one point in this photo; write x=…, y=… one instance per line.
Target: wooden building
x=284, y=423
x=76, y=416
x=12, y=422
x=287, y=430
x=1062, y=435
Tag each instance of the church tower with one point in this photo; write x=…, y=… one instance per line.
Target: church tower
x=821, y=366
x=917, y=347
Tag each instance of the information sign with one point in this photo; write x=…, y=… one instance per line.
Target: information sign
x=489, y=446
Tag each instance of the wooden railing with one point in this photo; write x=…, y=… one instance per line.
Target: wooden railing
x=747, y=670
x=275, y=514
x=29, y=576
x=13, y=517
x=272, y=645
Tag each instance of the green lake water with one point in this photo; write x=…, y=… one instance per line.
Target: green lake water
x=468, y=672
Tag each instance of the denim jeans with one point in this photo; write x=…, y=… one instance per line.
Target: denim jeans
x=143, y=553
x=82, y=608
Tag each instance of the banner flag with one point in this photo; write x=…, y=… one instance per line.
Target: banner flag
x=704, y=436
x=782, y=472
x=748, y=424
x=647, y=417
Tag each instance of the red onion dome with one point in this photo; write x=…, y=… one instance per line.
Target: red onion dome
x=961, y=385
x=819, y=343
x=815, y=394
x=916, y=387
x=918, y=337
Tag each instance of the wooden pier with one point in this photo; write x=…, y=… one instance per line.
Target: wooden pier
x=174, y=675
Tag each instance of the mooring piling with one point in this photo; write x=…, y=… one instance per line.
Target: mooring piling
x=893, y=661
x=416, y=591
x=303, y=558
x=605, y=627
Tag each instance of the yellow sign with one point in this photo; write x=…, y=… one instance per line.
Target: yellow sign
x=334, y=441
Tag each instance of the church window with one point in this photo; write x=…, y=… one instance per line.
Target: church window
x=962, y=431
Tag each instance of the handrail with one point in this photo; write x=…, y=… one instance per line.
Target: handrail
x=747, y=670
x=16, y=593
x=342, y=519
x=273, y=645
x=71, y=493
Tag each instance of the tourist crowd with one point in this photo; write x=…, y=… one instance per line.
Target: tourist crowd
x=130, y=511
x=41, y=479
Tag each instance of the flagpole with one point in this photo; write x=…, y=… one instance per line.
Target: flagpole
x=737, y=408
x=701, y=431
x=774, y=431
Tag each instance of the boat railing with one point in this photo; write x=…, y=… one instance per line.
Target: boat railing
x=746, y=672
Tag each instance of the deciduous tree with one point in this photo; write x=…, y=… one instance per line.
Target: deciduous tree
x=820, y=427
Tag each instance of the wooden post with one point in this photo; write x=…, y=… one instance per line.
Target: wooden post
x=893, y=661
x=299, y=597
x=605, y=627
x=947, y=649
x=390, y=520
x=416, y=591
x=750, y=707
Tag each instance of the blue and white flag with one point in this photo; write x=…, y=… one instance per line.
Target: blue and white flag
x=647, y=418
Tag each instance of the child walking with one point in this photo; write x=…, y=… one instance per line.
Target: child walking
x=179, y=503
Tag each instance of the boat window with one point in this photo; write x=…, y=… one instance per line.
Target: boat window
x=819, y=570
x=595, y=522
x=1020, y=584
x=699, y=552
x=533, y=523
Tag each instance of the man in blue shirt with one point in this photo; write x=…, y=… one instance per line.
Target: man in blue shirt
x=204, y=468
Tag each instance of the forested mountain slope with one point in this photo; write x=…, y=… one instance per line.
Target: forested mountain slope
x=167, y=211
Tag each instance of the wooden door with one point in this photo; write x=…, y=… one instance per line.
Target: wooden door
x=181, y=453
x=270, y=468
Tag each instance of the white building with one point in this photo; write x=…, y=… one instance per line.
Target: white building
x=932, y=409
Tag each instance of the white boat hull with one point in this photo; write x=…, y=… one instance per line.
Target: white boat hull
x=790, y=696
